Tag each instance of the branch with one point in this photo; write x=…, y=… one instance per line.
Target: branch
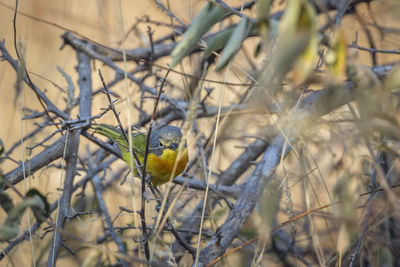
x=87, y=48
x=232, y=190
x=98, y=188
x=71, y=155
x=47, y=156
x=309, y=109
x=217, y=246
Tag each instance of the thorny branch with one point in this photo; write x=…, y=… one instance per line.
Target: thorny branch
x=71, y=153
x=271, y=148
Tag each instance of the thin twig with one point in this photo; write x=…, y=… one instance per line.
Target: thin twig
x=375, y=50
x=26, y=74
x=143, y=176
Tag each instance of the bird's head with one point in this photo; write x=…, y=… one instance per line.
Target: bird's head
x=167, y=137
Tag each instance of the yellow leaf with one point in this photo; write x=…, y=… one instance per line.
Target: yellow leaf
x=336, y=58
x=296, y=46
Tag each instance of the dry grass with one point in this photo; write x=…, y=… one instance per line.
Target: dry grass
x=295, y=172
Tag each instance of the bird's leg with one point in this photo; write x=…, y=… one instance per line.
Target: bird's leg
x=159, y=202
x=148, y=178
x=160, y=196
x=158, y=206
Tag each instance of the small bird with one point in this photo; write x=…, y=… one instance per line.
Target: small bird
x=163, y=151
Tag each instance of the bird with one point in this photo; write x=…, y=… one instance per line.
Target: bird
x=164, y=150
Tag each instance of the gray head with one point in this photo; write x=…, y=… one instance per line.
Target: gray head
x=167, y=137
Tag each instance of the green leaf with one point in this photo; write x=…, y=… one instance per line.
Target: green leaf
x=263, y=7
x=35, y=193
x=14, y=215
x=5, y=201
x=218, y=41
x=10, y=228
x=203, y=22
x=8, y=232
x=235, y=41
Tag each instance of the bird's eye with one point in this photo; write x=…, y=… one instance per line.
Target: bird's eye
x=161, y=145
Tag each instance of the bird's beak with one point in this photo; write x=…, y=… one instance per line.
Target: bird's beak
x=173, y=146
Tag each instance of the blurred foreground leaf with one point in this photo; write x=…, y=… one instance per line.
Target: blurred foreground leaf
x=296, y=46
x=203, y=22
x=336, y=57
x=218, y=41
x=392, y=83
x=34, y=200
x=235, y=41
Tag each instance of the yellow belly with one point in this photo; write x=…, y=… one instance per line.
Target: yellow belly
x=162, y=167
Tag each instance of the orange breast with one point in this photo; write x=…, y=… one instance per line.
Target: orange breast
x=162, y=167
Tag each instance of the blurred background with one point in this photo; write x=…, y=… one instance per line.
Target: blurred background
x=330, y=155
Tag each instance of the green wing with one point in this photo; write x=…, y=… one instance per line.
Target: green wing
x=139, y=142
x=138, y=139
